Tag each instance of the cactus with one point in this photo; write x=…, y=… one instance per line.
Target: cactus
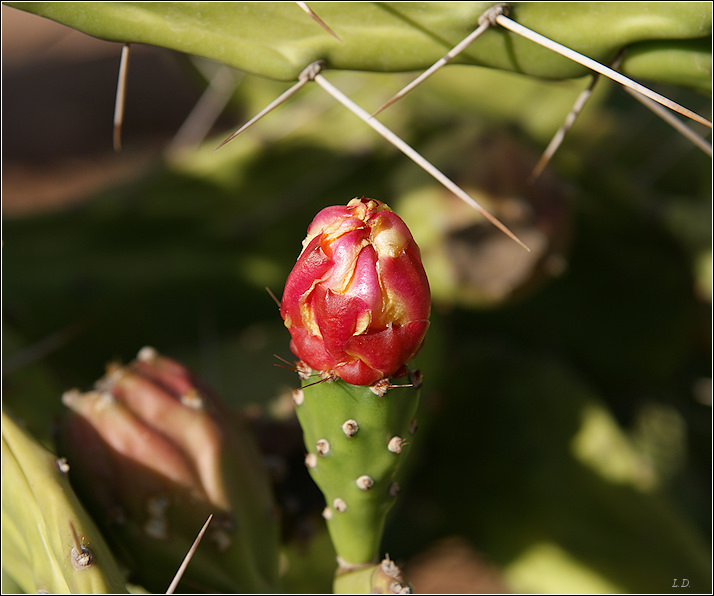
x=382, y=578
x=276, y=40
x=357, y=305
x=355, y=440
x=50, y=543
x=597, y=29
x=154, y=452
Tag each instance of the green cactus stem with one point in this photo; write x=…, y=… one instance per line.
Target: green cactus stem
x=49, y=542
x=356, y=437
x=382, y=578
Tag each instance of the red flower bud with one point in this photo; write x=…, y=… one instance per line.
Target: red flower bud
x=357, y=301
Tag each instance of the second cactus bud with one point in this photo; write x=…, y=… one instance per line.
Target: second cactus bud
x=154, y=452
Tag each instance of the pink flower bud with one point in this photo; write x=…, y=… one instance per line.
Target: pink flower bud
x=152, y=451
x=357, y=301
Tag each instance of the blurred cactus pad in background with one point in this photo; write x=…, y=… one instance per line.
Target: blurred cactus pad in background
x=563, y=442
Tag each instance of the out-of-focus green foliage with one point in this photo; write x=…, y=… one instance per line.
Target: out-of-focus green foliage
x=277, y=39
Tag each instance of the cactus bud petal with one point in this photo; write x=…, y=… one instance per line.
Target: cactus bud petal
x=154, y=452
x=357, y=301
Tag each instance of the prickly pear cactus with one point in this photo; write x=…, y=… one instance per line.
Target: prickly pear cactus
x=355, y=440
x=667, y=42
x=50, y=544
x=357, y=306
x=277, y=40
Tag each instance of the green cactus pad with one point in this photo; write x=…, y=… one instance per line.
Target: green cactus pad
x=277, y=39
x=38, y=506
x=355, y=440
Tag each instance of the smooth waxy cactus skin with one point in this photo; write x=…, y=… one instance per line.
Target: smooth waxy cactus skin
x=355, y=469
x=357, y=301
x=404, y=37
x=38, y=505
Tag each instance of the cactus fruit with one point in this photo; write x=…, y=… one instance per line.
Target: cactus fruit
x=154, y=452
x=357, y=305
x=357, y=302
x=49, y=542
